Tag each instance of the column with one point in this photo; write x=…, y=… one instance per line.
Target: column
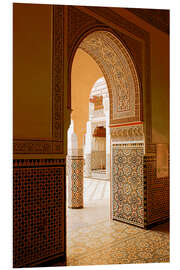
x=75, y=179
x=75, y=166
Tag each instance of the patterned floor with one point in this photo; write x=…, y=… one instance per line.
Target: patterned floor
x=94, y=239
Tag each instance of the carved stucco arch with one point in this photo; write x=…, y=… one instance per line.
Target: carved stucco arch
x=120, y=75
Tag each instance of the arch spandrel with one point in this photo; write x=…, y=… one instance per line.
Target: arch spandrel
x=120, y=74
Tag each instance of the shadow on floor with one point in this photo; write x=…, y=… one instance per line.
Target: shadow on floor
x=164, y=227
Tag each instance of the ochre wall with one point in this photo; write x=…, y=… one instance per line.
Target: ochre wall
x=159, y=77
x=32, y=70
x=160, y=87
x=85, y=72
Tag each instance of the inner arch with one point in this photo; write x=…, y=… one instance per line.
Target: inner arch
x=120, y=74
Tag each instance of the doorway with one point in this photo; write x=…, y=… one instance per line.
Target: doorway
x=124, y=125
x=87, y=118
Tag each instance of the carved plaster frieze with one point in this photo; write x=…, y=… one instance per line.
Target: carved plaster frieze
x=127, y=133
x=57, y=74
x=119, y=72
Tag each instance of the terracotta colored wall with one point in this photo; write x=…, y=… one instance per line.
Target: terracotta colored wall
x=160, y=87
x=84, y=74
x=32, y=70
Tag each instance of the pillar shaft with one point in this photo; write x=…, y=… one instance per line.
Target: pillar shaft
x=75, y=181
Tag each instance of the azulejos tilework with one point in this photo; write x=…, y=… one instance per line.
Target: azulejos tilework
x=92, y=238
x=38, y=210
x=132, y=247
x=157, y=191
x=75, y=182
x=127, y=183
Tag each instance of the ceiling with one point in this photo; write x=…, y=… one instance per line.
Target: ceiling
x=159, y=18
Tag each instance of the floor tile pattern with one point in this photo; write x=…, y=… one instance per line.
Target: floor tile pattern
x=94, y=239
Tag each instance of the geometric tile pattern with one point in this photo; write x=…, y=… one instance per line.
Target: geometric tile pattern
x=128, y=183
x=38, y=213
x=75, y=182
x=94, y=239
x=108, y=243
x=157, y=191
x=57, y=74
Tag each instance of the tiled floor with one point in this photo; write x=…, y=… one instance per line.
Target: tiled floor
x=92, y=238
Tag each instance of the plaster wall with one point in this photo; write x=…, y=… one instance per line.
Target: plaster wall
x=85, y=72
x=32, y=53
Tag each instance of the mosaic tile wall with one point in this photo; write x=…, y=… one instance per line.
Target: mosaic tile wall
x=75, y=182
x=128, y=183
x=157, y=192
x=38, y=211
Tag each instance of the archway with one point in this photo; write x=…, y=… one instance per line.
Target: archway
x=97, y=138
x=126, y=127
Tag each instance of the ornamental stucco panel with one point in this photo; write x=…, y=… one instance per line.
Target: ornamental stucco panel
x=119, y=72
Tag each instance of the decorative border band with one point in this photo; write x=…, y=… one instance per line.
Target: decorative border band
x=37, y=162
x=37, y=146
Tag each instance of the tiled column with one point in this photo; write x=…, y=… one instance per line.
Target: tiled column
x=75, y=179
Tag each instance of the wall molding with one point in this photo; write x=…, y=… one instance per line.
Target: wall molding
x=37, y=162
x=31, y=146
x=128, y=133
